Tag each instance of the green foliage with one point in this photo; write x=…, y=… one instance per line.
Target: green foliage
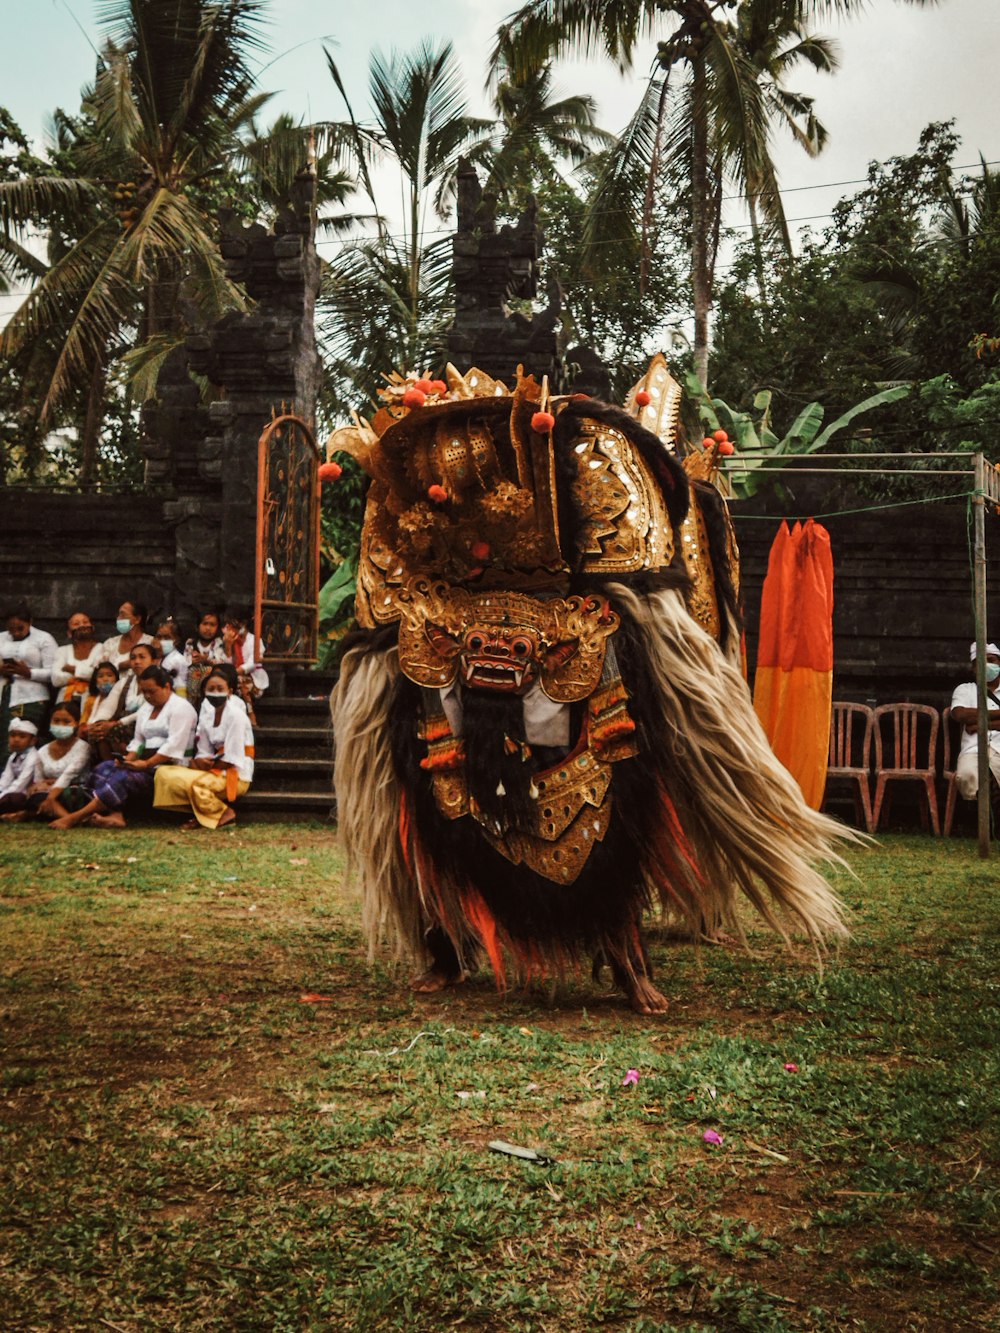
x=765, y=449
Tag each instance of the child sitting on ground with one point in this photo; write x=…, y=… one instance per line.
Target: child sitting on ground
x=19, y=771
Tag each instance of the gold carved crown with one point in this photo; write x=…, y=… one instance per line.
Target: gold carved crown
x=484, y=487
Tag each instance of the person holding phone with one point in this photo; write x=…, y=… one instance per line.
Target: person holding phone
x=27, y=656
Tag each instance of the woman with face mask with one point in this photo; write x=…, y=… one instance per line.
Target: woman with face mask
x=164, y=734
x=128, y=632
x=114, y=734
x=75, y=661
x=222, y=769
x=59, y=768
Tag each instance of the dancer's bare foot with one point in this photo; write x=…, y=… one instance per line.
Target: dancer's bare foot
x=228, y=818
x=722, y=937
x=435, y=979
x=63, y=823
x=644, y=997
x=115, y=820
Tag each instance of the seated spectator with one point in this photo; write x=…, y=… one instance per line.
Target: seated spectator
x=222, y=768
x=76, y=660
x=19, y=771
x=246, y=655
x=26, y=659
x=965, y=711
x=103, y=699
x=164, y=734
x=202, y=652
x=59, y=768
x=129, y=630
x=114, y=736
x=172, y=659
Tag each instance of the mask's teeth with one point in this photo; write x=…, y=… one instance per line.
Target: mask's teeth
x=469, y=670
x=518, y=677
x=501, y=789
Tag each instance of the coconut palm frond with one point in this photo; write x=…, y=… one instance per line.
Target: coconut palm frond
x=27, y=201
x=546, y=28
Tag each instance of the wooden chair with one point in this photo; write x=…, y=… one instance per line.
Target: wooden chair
x=912, y=755
x=948, y=771
x=851, y=730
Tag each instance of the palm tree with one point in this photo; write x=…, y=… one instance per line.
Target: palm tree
x=534, y=133
x=172, y=92
x=384, y=298
x=706, y=117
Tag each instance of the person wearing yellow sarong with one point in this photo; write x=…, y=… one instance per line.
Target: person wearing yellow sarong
x=222, y=769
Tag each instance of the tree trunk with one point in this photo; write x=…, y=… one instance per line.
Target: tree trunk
x=758, y=249
x=701, y=278
x=92, y=425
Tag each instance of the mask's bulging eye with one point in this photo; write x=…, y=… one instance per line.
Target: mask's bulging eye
x=521, y=648
x=475, y=643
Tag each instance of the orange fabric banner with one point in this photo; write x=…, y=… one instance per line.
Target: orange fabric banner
x=793, y=688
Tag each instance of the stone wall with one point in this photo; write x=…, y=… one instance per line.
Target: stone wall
x=63, y=552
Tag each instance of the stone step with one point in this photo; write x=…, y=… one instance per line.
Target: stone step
x=294, y=742
x=291, y=712
x=279, y=802
x=299, y=683
x=277, y=774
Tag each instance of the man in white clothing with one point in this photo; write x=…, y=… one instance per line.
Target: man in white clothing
x=26, y=659
x=964, y=710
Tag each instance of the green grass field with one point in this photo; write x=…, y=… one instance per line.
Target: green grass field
x=187, y=1144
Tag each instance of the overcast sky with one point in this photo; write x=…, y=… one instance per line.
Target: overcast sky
x=901, y=67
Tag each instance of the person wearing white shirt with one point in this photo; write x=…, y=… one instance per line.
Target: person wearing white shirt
x=247, y=656
x=128, y=632
x=75, y=661
x=172, y=658
x=26, y=659
x=112, y=731
x=58, y=769
x=965, y=711
x=164, y=734
x=222, y=769
x=19, y=770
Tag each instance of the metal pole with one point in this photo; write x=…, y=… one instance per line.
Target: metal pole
x=983, y=721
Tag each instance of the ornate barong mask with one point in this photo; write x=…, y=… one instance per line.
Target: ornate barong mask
x=493, y=521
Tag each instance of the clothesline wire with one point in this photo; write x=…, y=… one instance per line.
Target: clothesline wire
x=863, y=509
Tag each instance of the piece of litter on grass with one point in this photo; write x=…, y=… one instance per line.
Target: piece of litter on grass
x=131, y=860
x=526, y=1032
x=790, y=1068
x=229, y=879
x=402, y=1050
x=631, y=1079
x=466, y=1096
x=310, y=997
x=710, y=1136
x=768, y=1152
x=298, y=861
x=525, y=1154
x=91, y=865
x=533, y=1087
x=325, y=1108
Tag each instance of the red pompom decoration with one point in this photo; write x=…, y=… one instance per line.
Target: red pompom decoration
x=329, y=471
x=437, y=493
x=480, y=550
x=719, y=435
x=542, y=422
x=438, y=386
x=425, y=386
x=414, y=398
x=726, y=447
x=642, y=398
x=707, y=442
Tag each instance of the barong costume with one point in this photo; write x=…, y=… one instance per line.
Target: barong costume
x=542, y=733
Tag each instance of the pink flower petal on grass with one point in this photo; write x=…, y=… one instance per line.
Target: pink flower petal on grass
x=631, y=1079
x=710, y=1136
x=790, y=1068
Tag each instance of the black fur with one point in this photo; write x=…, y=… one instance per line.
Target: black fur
x=486, y=720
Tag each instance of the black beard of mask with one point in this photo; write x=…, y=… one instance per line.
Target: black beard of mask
x=487, y=719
